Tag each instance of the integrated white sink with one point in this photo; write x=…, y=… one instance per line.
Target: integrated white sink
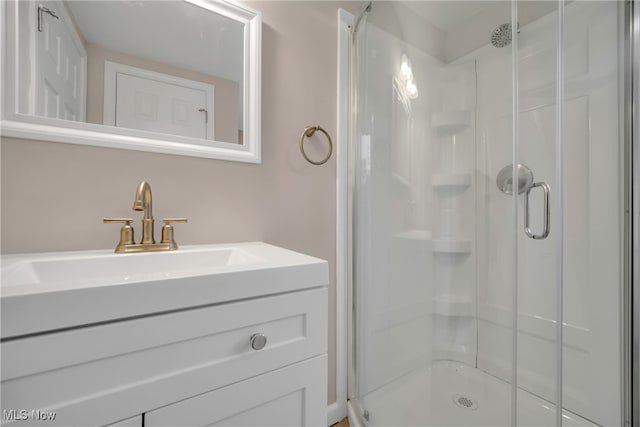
x=61, y=271
x=51, y=291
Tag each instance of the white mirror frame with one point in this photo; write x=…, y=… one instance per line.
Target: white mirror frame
x=13, y=124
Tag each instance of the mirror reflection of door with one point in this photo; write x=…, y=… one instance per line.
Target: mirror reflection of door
x=61, y=64
x=136, y=98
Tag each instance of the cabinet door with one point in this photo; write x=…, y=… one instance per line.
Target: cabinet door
x=292, y=396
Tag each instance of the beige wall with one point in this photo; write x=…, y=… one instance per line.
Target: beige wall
x=225, y=92
x=54, y=196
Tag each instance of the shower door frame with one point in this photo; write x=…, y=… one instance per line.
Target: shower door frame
x=632, y=207
x=338, y=410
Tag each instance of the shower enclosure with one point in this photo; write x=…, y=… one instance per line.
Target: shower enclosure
x=489, y=183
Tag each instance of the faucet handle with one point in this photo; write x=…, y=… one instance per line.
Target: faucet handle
x=126, y=232
x=167, y=231
x=168, y=221
x=126, y=221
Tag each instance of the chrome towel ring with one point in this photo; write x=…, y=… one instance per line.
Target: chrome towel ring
x=308, y=132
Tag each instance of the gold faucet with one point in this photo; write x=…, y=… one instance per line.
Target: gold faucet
x=148, y=243
x=143, y=203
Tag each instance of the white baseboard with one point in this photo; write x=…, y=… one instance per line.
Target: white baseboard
x=336, y=413
x=354, y=419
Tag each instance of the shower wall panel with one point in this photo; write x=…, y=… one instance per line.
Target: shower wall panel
x=453, y=191
x=392, y=215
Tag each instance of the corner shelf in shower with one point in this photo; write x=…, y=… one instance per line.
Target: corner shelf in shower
x=452, y=246
x=414, y=234
x=451, y=121
x=453, y=305
x=451, y=180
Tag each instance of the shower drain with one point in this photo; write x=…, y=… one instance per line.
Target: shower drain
x=465, y=402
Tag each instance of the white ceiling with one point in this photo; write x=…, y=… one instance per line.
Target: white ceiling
x=459, y=26
x=171, y=32
x=449, y=15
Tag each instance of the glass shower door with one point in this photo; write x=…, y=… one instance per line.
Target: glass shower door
x=478, y=302
x=537, y=138
x=569, y=283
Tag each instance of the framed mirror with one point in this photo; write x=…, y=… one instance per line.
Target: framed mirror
x=168, y=76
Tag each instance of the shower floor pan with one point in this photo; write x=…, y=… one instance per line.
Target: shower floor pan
x=452, y=394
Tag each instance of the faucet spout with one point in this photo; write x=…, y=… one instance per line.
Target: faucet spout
x=143, y=202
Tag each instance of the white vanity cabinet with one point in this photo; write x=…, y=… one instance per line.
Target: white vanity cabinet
x=283, y=397
x=189, y=366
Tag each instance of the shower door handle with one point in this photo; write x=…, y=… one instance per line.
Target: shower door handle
x=547, y=214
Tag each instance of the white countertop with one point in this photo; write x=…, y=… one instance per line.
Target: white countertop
x=52, y=291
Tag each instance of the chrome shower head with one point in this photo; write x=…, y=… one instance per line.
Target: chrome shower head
x=501, y=36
